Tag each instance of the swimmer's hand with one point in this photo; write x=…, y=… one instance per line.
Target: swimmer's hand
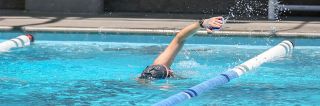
x=213, y=23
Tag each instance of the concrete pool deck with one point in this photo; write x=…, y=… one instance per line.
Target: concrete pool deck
x=155, y=26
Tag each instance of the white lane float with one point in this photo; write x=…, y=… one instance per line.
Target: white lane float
x=281, y=50
x=18, y=42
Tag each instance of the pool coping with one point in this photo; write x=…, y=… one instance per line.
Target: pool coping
x=161, y=31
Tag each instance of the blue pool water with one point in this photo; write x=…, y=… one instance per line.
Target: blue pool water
x=100, y=69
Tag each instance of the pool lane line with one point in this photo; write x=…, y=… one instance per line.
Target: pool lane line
x=280, y=50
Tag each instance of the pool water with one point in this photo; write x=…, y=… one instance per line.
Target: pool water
x=100, y=69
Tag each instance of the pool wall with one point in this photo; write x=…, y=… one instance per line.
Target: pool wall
x=158, y=38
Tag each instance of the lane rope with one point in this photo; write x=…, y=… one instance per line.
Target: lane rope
x=20, y=41
x=280, y=50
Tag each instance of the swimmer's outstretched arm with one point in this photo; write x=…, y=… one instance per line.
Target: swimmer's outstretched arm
x=167, y=56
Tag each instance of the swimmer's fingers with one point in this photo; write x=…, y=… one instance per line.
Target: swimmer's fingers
x=219, y=17
x=219, y=21
x=215, y=24
x=209, y=31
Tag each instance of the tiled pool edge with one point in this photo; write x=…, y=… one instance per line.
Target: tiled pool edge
x=159, y=31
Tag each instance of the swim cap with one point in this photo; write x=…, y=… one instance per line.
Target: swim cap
x=155, y=71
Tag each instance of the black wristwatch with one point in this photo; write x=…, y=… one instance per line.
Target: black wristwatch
x=201, y=22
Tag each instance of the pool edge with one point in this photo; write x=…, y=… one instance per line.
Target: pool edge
x=162, y=31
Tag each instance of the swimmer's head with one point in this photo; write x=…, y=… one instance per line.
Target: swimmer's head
x=156, y=72
x=31, y=38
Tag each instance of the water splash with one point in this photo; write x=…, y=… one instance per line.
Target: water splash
x=247, y=9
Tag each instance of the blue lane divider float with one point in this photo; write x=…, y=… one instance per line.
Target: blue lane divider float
x=20, y=41
x=281, y=50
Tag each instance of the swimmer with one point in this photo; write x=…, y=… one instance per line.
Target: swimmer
x=160, y=69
